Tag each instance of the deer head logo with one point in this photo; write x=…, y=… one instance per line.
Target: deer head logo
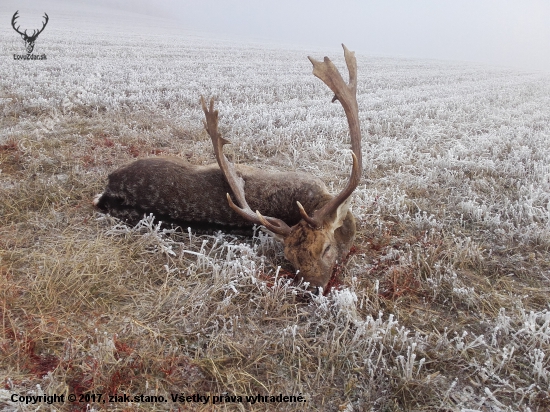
x=29, y=40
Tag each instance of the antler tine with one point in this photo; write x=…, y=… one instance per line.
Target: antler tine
x=274, y=225
x=236, y=182
x=351, y=63
x=310, y=221
x=346, y=95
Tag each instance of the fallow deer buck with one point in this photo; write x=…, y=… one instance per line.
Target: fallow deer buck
x=316, y=228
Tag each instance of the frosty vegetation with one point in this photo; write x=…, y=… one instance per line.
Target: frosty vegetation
x=443, y=306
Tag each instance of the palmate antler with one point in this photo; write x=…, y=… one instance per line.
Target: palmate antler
x=236, y=182
x=346, y=95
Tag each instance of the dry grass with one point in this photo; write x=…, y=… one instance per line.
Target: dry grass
x=439, y=307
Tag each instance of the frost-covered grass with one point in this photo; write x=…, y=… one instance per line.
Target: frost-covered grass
x=443, y=306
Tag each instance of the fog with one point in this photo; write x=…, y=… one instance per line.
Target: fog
x=497, y=32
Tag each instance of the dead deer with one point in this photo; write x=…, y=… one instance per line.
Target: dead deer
x=316, y=228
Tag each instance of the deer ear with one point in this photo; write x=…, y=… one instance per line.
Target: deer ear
x=337, y=219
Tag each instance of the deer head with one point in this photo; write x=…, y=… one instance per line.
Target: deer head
x=29, y=40
x=323, y=237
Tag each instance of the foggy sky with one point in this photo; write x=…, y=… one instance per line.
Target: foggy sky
x=499, y=32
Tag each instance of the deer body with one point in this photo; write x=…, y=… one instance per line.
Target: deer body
x=316, y=228
x=178, y=192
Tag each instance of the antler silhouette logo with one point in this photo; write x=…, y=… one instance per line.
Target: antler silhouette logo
x=29, y=40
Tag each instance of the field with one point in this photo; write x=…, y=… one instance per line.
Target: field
x=443, y=306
